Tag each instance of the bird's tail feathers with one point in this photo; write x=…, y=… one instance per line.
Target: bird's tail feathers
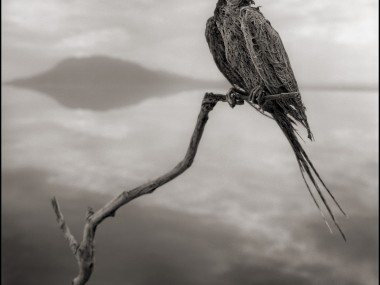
x=307, y=167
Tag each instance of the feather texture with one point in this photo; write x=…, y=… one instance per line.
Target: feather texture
x=251, y=55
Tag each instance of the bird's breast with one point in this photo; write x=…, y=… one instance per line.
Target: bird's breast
x=236, y=50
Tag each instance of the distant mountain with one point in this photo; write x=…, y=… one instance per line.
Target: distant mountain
x=101, y=83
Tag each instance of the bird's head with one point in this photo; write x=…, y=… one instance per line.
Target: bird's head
x=240, y=2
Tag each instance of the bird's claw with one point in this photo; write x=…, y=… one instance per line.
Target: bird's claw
x=257, y=97
x=231, y=97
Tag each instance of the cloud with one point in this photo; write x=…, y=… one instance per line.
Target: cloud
x=94, y=42
x=170, y=35
x=36, y=15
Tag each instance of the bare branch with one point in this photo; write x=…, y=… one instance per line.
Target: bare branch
x=85, y=251
x=65, y=229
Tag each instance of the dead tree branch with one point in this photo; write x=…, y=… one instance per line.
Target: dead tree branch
x=65, y=229
x=85, y=251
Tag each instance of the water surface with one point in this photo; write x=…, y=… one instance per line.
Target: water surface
x=240, y=215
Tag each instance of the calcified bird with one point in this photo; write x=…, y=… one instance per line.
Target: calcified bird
x=250, y=54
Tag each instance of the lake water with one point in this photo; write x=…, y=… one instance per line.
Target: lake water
x=240, y=215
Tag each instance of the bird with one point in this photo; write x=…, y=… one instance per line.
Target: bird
x=250, y=54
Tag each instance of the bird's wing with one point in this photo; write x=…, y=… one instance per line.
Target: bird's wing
x=216, y=46
x=267, y=52
x=271, y=62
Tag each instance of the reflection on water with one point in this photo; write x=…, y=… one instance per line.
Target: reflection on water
x=240, y=215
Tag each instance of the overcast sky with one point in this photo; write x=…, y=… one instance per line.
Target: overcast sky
x=328, y=41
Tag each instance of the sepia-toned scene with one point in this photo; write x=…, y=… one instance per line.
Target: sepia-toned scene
x=99, y=97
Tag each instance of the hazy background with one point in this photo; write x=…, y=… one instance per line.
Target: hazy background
x=110, y=94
